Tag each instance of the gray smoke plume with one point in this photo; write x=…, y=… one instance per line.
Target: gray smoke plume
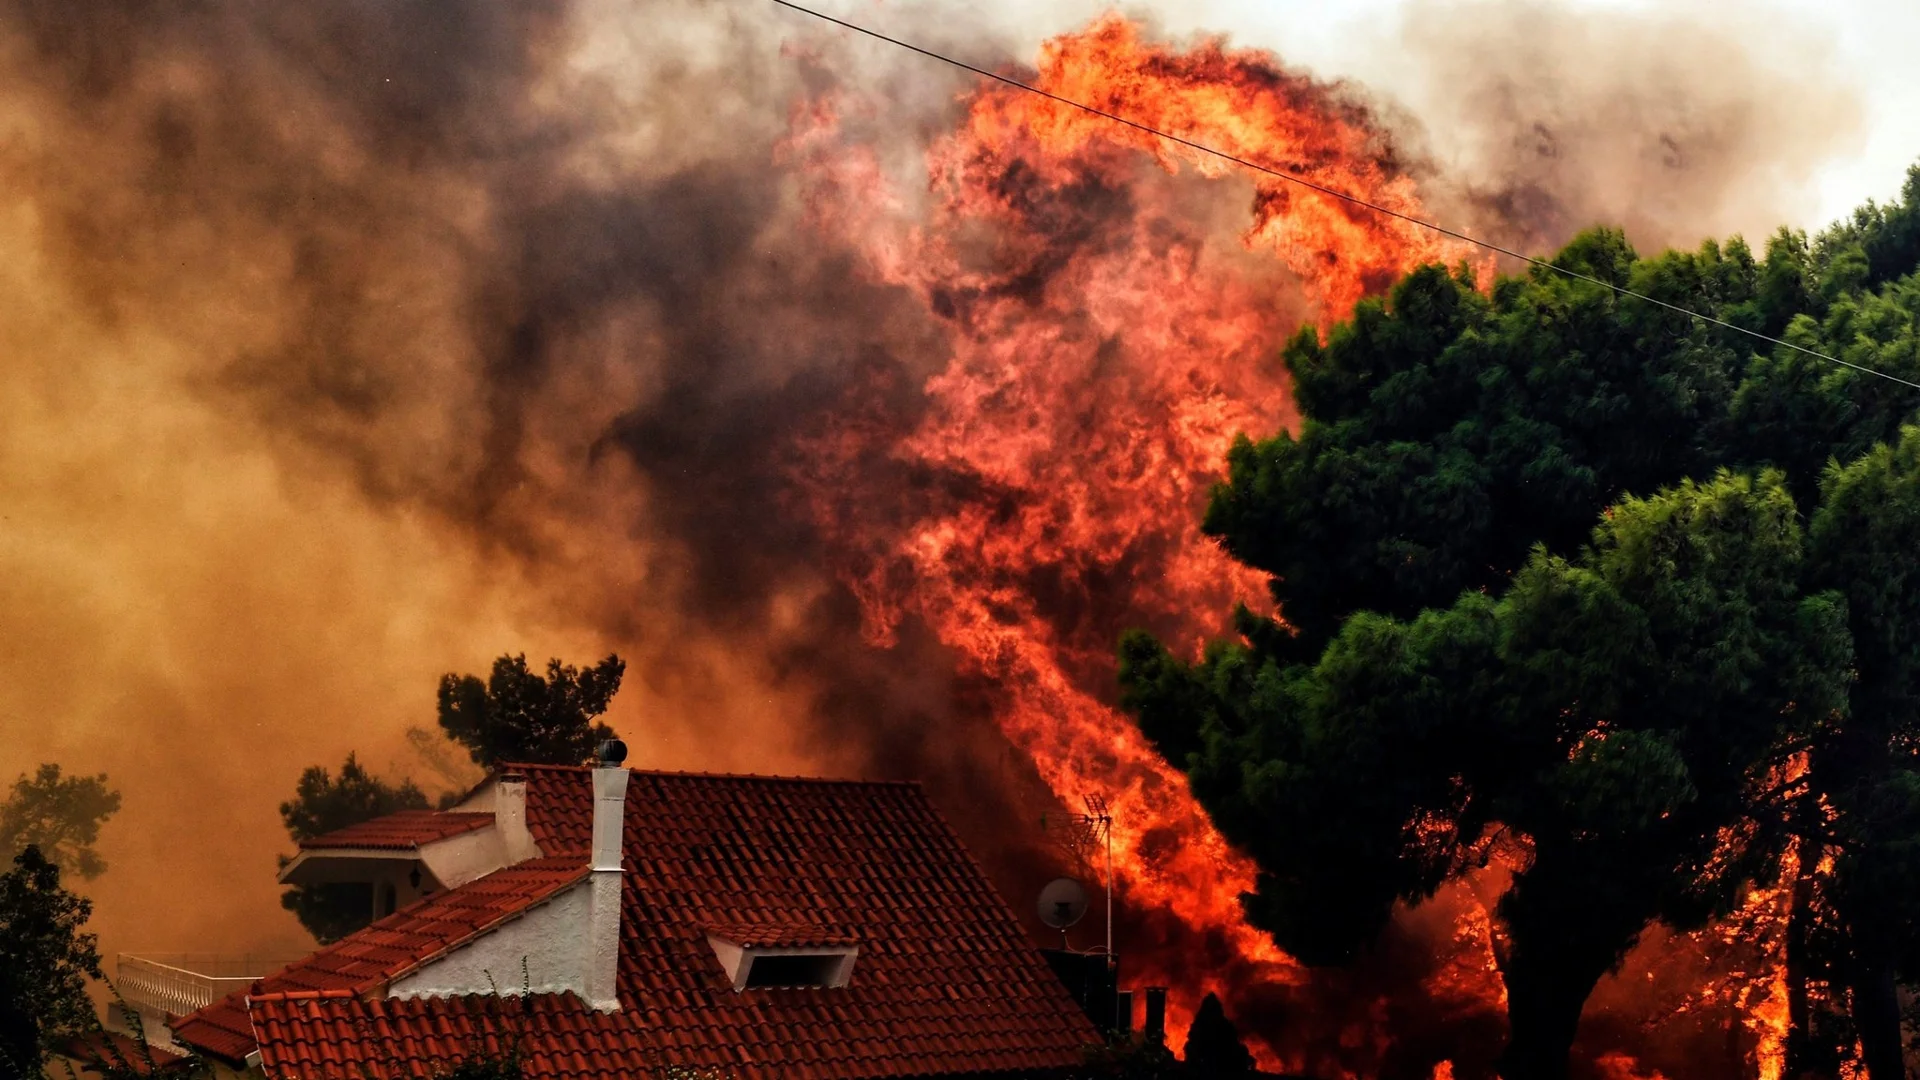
x=1547, y=119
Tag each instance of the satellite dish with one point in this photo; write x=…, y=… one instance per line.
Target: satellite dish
x=1062, y=903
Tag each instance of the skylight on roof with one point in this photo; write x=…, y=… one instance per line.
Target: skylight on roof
x=801, y=969
x=758, y=963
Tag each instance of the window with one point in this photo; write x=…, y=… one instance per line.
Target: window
x=818, y=969
x=759, y=957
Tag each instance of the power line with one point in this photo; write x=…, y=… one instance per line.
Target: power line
x=1337, y=194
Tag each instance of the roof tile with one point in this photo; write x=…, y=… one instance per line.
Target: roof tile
x=401, y=830
x=946, y=983
x=367, y=959
x=109, y=1050
x=787, y=936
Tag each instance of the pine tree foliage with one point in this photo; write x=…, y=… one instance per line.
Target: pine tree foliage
x=1465, y=653
x=61, y=815
x=323, y=803
x=516, y=715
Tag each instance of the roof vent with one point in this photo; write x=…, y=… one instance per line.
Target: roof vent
x=762, y=957
x=795, y=969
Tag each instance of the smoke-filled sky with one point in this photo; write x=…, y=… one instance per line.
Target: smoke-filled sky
x=350, y=343
x=1859, y=48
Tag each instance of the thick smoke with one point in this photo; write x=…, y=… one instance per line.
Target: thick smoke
x=1546, y=119
x=355, y=342
x=360, y=342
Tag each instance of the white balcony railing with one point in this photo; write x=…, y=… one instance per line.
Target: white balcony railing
x=175, y=984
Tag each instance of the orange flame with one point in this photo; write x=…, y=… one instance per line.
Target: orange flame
x=1105, y=349
x=1767, y=1017
x=1240, y=103
x=1617, y=1066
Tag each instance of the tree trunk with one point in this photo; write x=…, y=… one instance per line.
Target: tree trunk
x=1799, y=1009
x=1569, y=918
x=1547, y=987
x=1876, y=1017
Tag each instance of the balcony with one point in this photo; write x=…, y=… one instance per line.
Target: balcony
x=174, y=984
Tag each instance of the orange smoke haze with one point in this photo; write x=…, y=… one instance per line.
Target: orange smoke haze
x=858, y=406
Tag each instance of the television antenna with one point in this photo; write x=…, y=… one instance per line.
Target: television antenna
x=1084, y=834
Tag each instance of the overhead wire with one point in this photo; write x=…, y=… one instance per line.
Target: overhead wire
x=1348, y=197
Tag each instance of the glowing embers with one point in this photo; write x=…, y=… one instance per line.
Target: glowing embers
x=784, y=957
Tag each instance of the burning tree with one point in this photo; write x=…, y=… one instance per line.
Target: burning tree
x=1864, y=795
x=1448, y=666
x=1024, y=492
x=1612, y=708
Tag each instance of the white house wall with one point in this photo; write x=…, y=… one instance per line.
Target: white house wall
x=462, y=858
x=550, y=939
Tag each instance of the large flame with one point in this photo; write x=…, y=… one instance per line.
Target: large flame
x=1105, y=349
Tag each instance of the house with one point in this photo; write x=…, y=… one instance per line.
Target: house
x=608, y=923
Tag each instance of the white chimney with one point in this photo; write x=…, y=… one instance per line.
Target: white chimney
x=603, y=920
x=510, y=818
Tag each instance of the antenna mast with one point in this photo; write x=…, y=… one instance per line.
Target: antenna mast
x=1100, y=820
x=1081, y=834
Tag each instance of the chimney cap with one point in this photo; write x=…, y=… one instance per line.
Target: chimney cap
x=610, y=753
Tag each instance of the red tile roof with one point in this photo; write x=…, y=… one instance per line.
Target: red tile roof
x=400, y=831
x=107, y=1050
x=798, y=936
x=366, y=960
x=342, y=1037
x=946, y=982
x=221, y=1029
